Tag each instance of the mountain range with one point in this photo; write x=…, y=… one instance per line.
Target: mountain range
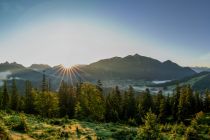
x=131, y=67
x=136, y=67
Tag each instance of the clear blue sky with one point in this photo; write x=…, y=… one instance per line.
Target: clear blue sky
x=80, y=32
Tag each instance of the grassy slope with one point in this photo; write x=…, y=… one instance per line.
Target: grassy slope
x=40, y=128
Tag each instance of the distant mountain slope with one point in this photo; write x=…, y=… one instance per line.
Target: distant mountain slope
x=200, y=69
x=199, y=82
x=10, y=66
x=39, y=67
x=136, y=67
x=131, y=67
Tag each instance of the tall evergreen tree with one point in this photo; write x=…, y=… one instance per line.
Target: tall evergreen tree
x=14, y=96
x=175, y=102
x=206, y=102
x=5, y=96
x=44, y=82
x=131, y=103
x=146, y=102
x=67, y=100
x=198, y=102
x=157, y=101
x=99, y=85
x=114, y=105
x=30, y=96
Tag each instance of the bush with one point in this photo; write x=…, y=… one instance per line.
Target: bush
x=126, y=134
x=22, y=125
x=166, y=128
x=150, y=130
x=132, y=122
x=4, y=133
x=179, y=129
x=191, y=134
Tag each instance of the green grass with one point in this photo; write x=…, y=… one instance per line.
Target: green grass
x=43, y=128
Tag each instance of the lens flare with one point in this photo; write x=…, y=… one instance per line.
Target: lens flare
x=71, y=75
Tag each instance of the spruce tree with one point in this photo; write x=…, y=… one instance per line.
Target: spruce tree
x=150, y=129
x=14, y=96
x=206, y=102
x=131, y=103
x=44, y=82
x=146, y=102
x=99, y=85
x=5, y=96
x=30, y=96
x=175, y=102
x=114, y=105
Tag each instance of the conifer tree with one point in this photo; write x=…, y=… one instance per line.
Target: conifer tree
x=67, y=100
x=5, y=96
x=162, y=110
x=44, y=82
x=131, y=103
x=14, y=96
x=114, y=105
x=150, y=130
x=198, y=102
x=175, y=102
x=206, y=102
x=99, y=85
x=30, y=96
x=146, y=102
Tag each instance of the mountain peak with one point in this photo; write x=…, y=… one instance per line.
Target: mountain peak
x=168, y=62
x=137, y=67
x=39, y=67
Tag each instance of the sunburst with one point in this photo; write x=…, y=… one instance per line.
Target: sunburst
x=71, y=75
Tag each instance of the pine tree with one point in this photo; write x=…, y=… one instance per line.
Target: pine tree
x=190, y=102
x=30, y=96
x=14, y=96
x=175, y=102
x=46, y=104
x=67, y=100
x=146, y=102
x=206, y=102
x=99, y=85
x=157, y=101
x=5, y=96
x=114, y=105
x=44, y=82
x=131, y=103
x=162, y=110
x=198, y=102
x=150, y=130
x=91, y=102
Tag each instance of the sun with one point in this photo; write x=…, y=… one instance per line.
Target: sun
x=69, y=74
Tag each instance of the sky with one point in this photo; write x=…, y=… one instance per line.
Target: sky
x=81, y=32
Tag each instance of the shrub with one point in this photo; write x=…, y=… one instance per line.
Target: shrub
x=165, y=128
x=4, y=133
x=150, y=130
x=178, y=129
x=126, y=134
x=21, y=125
x=191, y=134
x=132, y=122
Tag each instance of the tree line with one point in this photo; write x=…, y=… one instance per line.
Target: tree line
x=91, y=102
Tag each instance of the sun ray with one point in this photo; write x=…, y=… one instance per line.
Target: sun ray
x=79, y=75
x=71, y=79
x=76, y=70
x=71, y=70
x=63, y=73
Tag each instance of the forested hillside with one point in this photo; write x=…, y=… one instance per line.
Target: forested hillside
x=184, y=114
